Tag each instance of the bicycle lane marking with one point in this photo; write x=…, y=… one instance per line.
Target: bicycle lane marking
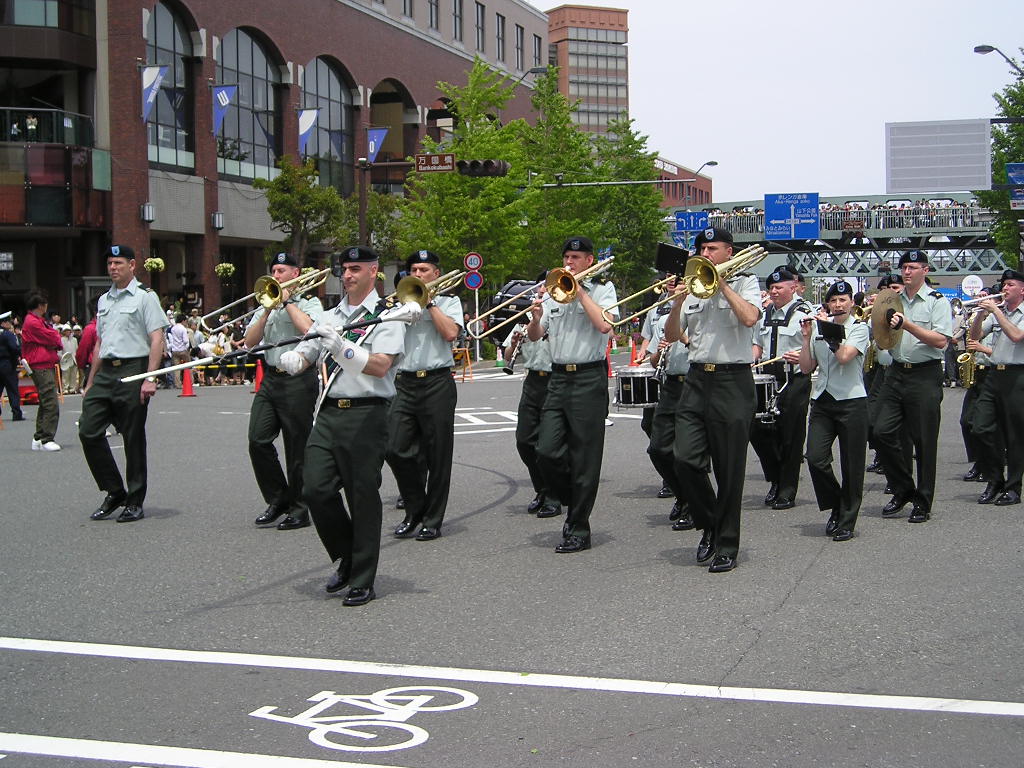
x=528, y=679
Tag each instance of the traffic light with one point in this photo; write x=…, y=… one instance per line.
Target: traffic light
x=483, y=167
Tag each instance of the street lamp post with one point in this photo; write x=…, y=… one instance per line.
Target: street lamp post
x=983, y=49
x=708, y=164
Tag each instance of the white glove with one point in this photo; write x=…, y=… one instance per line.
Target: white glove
x=292, y=362
x=351, y=359
x=329, y=336
x=409, y=312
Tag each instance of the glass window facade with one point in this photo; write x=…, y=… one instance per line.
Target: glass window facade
x=169, y=128
x=499, y=37
x=78, y=16
x=457, y=20
x=538, y=48
x=433, y=14
x=407, y=8
x=481, y=27
x=331, y=143
x=247, y=144
x=520, y=47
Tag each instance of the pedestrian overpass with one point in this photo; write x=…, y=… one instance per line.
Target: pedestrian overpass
x=861, y=237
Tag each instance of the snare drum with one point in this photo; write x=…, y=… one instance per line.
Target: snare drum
x=766, y=387
x=636, y=388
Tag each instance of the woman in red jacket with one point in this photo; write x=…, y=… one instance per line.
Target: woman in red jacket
x=41, y=347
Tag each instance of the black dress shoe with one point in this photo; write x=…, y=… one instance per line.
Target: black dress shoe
x=1008, y=498
x=772, y=495
x=684, y=523
x=874, y=466
x=706, y=547
x=537, y=503
x=721, y=564
x=339, y=579
x=19, y=417
x=572, y=544
x=406, y=528
x=677, y=511
x=300, y=520
x=973, y=475
x=919, y=514
x=108, y=505
x=991, y=493
x=549, y=509
x=428, y=534
x=843, y=534
x=894, y=506
x=832, y=525
x=399, y=503
x=130, y=514
x=888, y=489
x=359, y=596
x=783, y=502
x=665, y=492
x=270, y=515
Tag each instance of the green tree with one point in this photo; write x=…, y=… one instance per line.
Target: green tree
x=306, y=212
x=1007, y=147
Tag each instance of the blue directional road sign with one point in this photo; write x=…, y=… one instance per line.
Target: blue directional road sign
x=1015, y=175
x=682, y=239
x=791, y=216
x=691, y=221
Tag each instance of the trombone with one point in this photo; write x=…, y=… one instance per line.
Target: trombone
x=561, y=285
x=703, y=278
x=267, y=292
x=411, y=288
x=661, y=286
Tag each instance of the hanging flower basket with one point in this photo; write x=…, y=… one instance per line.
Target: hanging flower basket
x=224, y=270
x=154, y=264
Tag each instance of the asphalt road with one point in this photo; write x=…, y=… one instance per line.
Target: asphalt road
x=193, y=638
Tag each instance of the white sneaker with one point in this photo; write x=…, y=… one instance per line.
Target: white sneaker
x=49, y=446
x=37, y=445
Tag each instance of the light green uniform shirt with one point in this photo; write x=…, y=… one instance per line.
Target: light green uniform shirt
x=844, y=381
x=280, y=326
x=789, y=338
x=678, y=362
x=533, y=355
x=573, y=338
x=1004, y=351
x=716, y=334
x=424, y=347
x=125, y=318
x=931, y=310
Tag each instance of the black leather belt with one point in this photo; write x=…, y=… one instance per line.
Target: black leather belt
x=917, y=365
x=424, y=374
x=117, y=362
x=721, y=367
x=576, y=367
x=353, y=402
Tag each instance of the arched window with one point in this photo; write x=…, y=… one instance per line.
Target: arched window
x=169, y=127
x=330, y=143
x=247, y=143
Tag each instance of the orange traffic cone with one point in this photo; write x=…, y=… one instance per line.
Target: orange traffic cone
x=186, y=383
x=258, y=378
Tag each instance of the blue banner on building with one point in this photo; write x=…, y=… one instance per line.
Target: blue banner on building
x=307, y=121
x=152, y=77
x=222, y=98
x=374, y=141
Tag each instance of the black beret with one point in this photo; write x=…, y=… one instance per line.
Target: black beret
x=399, y=275
x=120, y=252
x=583, y=244
x=357, y=253
x=780, y=275
x=913, y=257
x=888, y=280
x=1011, y=274
x=839, y=288
x=422, y=257
x=284, y=258
x=997, y=288
x=713, y=235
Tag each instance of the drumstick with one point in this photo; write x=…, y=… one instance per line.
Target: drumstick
x=768, y=362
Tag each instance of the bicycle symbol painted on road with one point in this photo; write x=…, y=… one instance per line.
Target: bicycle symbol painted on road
x=384, y=730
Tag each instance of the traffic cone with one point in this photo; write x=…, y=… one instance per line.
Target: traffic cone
x=608, y=359
x=632, y=351
x=258, y=378
x=499, y=359
x=186, y=383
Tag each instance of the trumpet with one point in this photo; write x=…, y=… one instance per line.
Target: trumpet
x=861, y=313
x=975, y=303
x=560, y=284
x=703, y=278
x=267, y=292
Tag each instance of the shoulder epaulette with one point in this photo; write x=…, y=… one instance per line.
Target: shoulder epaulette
x=935, y=295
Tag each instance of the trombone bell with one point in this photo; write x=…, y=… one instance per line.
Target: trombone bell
x=561, y=285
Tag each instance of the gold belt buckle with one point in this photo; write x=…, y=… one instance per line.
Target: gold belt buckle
x=421, y=374
x=571, y=367
x=116, y=363
x=542, y=373
x=681, y=378
x=709, y=367
x=344, y=403
x=1000, y=367
x=907, y=365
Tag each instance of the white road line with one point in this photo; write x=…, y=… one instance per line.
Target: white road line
x=498, y=677
x=183, y=757
x=482, y=431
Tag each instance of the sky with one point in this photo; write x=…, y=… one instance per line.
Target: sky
x=794, y=95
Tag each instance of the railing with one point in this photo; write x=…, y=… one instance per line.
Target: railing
x=950, y=217
x=45, y=126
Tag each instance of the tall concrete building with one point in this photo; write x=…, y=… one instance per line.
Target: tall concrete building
x=589, y=47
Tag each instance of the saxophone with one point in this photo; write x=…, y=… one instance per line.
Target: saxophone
x=968, y=368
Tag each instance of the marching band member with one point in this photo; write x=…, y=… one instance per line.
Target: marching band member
x=570, y=442
x=780, y=444
x=1000, y=407
x=718, y=401
x=284, y=404
x=911, y=396
x=421, y=440
x=838, y=410
x=648, y=349
x=346, y=446
x=982, y=361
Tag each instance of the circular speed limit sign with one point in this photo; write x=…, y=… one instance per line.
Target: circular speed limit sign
x=473, y=261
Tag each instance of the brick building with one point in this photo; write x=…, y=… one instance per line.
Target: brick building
x=80, y=168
